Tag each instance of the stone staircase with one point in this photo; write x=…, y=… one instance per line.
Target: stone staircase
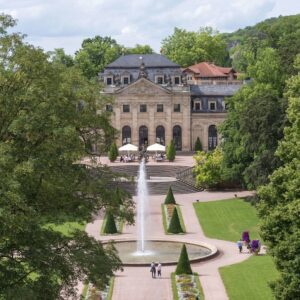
x=157, y=187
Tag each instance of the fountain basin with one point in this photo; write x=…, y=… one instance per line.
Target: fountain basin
x=166, y=252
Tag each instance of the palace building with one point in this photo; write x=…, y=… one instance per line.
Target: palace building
x=154, y=100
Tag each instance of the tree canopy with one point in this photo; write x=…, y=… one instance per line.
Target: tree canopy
x=47, y=116
x=280, y=201
x=188, y=47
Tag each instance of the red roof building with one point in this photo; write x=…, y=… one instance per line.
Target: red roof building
x=205, y=72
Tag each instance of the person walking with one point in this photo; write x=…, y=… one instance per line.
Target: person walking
x=240, y=245
x=153, y=269
x=159, y=270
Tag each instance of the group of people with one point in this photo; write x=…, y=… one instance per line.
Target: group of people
x=155, y=268
x=252, y=246
x=127, y=158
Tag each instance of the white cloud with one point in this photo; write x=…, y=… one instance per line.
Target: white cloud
x=65, y=23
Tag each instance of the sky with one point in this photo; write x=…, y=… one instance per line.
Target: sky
x=65, y=24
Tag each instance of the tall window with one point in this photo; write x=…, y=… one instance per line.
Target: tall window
x=143, y=108
x=212, y=137
x=177, y=137
x=176, y=107
x=126, y=108
x=212, y=105
x=109, y=80
x=160, y=108
x=126, y=135
x=160, y=135
x=143, y=136
x=159, y=79
x=176, y=80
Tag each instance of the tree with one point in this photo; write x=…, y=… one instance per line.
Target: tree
x=59, y=55
x=174, y=225
x=198, y=145
x=110, y=225
x=171, y=151
x=170, y=197
x=43, y=137
x=96, y=53
x=113, y=152
x=208, y=169
x=254, y=124
x=183, y=266
x=187, y=47
x=139, y=49
x=279, y=204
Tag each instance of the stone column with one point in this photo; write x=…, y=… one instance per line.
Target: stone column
x=134, y=126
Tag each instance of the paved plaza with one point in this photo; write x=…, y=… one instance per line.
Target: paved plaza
x=135, y=283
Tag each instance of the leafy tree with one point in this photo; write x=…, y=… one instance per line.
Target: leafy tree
x=175, y=226
x=198, y=145
x=187, y=47
x=59, y=55
x=139, y=49
x=170, y=197
x=183, y=266
x=280, y=201
x=43, y=133
x=254, y=123
x=110, y=225
x=96, y=53
x=171, y=151
x=208, y=169
x=113, y=152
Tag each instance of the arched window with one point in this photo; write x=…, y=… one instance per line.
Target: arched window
x=126, y=135
x=212, y=137
x=177, y=137
x=160, y=135
x=143, y=136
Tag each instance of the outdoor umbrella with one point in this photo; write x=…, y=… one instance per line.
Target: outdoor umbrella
x=128, y=148
x=156, y=147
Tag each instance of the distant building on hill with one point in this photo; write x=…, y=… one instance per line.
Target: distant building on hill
x=155, y=100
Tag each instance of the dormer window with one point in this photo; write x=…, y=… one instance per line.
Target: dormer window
x=212, y=105
x=177, y=80
x=125, y=80
x=159, y=79
x=109, y=80
x=197, y=105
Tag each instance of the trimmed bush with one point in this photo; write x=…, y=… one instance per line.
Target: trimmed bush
x=118, y=196
x=183, y=266
x=175, y=226
x=171, y=151
x=170, y=197
x=198, y=145
x=113, y=152
x=110, y=225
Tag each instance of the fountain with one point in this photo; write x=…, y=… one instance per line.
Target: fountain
x=143, y=251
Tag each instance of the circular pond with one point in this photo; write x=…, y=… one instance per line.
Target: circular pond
x=166, y=252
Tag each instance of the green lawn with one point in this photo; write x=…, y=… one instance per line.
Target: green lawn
x=66, y=227
x=227, y=219
x=249, y=279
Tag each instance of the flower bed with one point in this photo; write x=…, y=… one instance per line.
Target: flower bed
x=104, y=294
x=187, y=288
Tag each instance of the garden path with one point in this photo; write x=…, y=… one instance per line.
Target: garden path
x=135, y=283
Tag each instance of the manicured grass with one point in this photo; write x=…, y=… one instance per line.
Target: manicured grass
x=111, y=288
x=249, y=279
x=227, y=219
x=66, y=227
x=164, y=218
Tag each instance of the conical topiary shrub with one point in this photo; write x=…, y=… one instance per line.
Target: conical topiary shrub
x=183, y=266
x=175, y=226
x=110, y=225
x=113, y=152
x=170, y=197
x=198, y=145
x=171, y=151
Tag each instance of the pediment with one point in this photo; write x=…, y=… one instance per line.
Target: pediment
x=145, y=87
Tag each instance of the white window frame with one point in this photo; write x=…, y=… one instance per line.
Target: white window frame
x=178, y=78
x=109, y=77
x=123, y=77
x=210, y=102
x=159, y=76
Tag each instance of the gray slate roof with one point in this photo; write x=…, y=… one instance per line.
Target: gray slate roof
x=150, y=60
x=215, y=90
